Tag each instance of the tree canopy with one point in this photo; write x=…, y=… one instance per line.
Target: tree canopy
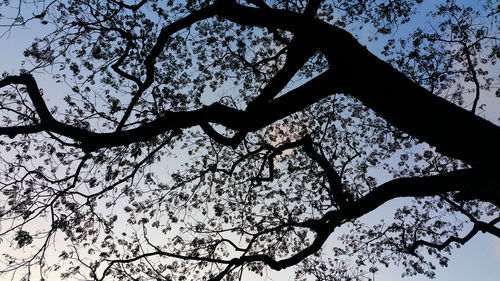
x=213, y=140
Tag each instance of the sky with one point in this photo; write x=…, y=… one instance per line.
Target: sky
x=479, y=259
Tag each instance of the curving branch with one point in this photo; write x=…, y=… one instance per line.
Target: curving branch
x=213, y=134
x=162, y=40
x=216, y=113
x=451, y=129
x=461, y=180
x=134, y=7
x=33, y=92
x=339, y=195
x=478, y=226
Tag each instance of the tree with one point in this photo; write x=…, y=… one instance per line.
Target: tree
x=285, y=125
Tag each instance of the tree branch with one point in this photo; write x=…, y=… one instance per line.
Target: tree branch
x=334, y=181
x=162, y=40
x=478, y=226
x=34, y=94
x=451, y=129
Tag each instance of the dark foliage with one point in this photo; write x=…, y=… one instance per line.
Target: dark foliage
x=212, y=140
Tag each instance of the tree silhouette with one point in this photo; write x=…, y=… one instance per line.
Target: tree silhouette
x=205, y=140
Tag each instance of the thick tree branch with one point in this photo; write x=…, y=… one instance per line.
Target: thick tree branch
x=34, y=94
x=403, y=187
x=299, y=51
x=334, y=180
x=11, y=132
x=213, y=134
x=478, y=226
x=216, y=113
x=451, y=129
x=312, y=7
x=128, y=6
x=150, y=60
